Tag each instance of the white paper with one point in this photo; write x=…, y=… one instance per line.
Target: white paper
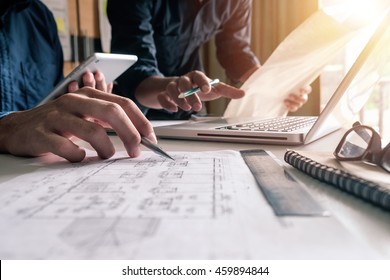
x=200, y=206
x=296, y=62
x=124, y=208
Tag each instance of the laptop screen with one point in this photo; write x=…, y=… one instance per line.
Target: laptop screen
x=370, y=66
x=361, y=79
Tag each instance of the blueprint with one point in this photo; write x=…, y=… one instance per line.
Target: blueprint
x=199, y=206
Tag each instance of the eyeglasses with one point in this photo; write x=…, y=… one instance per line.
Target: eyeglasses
x=363, y=143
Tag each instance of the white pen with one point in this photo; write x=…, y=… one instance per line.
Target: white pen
x=197, y=89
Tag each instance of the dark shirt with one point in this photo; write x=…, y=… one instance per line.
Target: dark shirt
x=31, y=59
x=166, y=35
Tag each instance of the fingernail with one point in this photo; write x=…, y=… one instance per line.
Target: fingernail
x=197, y=106
x=152, y=137
x=135, y=152
x=173, y=109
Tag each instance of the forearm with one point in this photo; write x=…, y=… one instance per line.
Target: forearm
x=147, y=91
x=234, y=51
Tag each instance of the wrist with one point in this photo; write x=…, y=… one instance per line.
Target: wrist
x=248, y=73
x=148, y=90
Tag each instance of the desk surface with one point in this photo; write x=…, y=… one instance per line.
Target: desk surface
x=368, y=225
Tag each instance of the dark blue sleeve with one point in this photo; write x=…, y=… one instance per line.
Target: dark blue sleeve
x=132, y=33
x=233, y=42
x=32, y=57
x=44, y=61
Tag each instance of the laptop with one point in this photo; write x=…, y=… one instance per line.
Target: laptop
x=349, y=97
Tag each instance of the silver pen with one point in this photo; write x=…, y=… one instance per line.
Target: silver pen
x=150, y=145
x=147, y=143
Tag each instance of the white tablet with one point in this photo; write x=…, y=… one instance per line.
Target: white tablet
x=111, y=65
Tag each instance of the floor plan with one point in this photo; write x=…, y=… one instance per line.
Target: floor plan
x=199, y=206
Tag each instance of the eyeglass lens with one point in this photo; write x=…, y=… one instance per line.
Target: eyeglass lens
x=355, y=143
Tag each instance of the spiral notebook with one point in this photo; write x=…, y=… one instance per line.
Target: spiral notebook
x=362, y=180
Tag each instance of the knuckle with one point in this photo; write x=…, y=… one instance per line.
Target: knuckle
x=112, y=108
x=87, y=91
x=125, y=103
x=66, y=98
x=172, y=85
x=185, y=79
x=147, y=125
x=196, y=72
x=53, y=114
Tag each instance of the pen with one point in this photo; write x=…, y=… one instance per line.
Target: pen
x=149, y=144
x=195, y=90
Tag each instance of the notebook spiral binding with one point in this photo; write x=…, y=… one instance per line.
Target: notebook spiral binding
x=362, y=188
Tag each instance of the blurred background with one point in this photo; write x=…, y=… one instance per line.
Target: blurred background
x=83, y=28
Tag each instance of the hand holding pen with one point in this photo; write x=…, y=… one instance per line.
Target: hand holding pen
x=196, y=89
x=188, y=91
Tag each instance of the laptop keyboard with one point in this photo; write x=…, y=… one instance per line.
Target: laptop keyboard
x=279, y=124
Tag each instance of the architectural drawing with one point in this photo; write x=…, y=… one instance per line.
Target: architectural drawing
x=119, y=202
x=200, y=206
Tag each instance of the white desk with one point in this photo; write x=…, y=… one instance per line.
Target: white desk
x=369, y=225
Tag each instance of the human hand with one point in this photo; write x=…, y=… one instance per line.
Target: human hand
x=94, y=80
x=169, y=99
x=296, y=99
x=51, y=127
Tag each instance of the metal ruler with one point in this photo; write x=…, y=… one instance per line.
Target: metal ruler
x=286, y=196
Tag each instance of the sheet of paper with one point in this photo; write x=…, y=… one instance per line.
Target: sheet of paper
x=200, y=206
x=296, y=62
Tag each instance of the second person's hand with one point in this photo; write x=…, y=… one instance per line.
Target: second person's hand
x=170, y=100
x=297, y=99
